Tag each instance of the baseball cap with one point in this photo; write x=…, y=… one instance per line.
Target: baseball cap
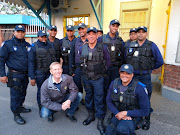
x=92, y=29
x=81, y=25
x=127, y=68
x=52, y=27
x=115, y=21
x=142, y=27
x=19, y=28
x=41, y=33
x=133, y=30
x=70, y=27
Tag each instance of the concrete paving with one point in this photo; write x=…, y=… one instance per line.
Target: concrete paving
x=165, y=119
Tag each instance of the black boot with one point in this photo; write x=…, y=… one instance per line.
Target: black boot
x=40, y=106
x=146, y=125
x=51, y=118
x=90, y=118
x=22, y=109
x=100, y=126
x=18, y=119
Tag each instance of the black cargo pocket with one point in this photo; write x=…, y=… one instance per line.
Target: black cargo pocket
x=17, y=84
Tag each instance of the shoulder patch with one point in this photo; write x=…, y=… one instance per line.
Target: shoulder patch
x=144, y=87
x=142, y=84
x=33, y=44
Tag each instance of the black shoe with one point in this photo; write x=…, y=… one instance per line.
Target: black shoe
x=40, y=106
x=18, y=119
x=77, y=109
x=90, y=118
x=100, y=126
x=72, y=118
x=24, y=110
x=146, y=125
x=51, y=118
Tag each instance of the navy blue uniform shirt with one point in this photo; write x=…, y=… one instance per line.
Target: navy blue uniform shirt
x=32, y=56
x=158, y=59
x=14, y=53
x=142, y=99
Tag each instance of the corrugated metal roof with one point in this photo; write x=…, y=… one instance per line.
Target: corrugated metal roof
x=36, y=4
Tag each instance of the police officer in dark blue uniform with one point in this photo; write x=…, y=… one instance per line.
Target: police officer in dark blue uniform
x=75, y=56
x=114, y=44
x=127, y=99
x=14, y=53
x=132, y=36
x=95, y=58
x=55, y=42
x=99, y=32
x=42, y=54
x=145, y=56
x=66, y=45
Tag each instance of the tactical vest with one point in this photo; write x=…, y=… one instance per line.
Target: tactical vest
x=56, y=45
x=127, y=100
x=140, y=57
x=92, y=62
x=65, y=50
x=115, y=49
x=44, y=57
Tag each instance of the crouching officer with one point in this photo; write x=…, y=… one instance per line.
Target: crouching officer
x=59, y=93
x=41, y=56
x=14, y=53
x=127, y=99
x=93, y=58
x=66, y=45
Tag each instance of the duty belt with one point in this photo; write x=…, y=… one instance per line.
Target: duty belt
x=20, y=72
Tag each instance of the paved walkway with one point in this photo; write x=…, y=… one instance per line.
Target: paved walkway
x=165, y=118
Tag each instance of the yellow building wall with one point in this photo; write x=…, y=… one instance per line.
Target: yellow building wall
x=158, y=18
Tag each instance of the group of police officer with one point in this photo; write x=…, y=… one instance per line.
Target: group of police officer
x=94, y=62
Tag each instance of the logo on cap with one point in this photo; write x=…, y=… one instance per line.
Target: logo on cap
x=19, y=26
x=53, y=26
x=142, y=27
x=69, y=26
x=80, y=24
x=43, y=31
x=126, y=66
x=91, y=28
x=116, y=20
x=133, y=29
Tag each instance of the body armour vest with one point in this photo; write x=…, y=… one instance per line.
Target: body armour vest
x=92, y=62
x=140, y=57
x=44, y=57
x=124, y=100
x=115, y=49
x=65, y=50
x=56, y=45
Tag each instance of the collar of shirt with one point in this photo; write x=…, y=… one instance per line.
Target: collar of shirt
x=107, y=35
x=55, y=81
x=120, y=82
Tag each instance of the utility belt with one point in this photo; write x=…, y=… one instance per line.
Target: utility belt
x=18, y=72
x=142, y=72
